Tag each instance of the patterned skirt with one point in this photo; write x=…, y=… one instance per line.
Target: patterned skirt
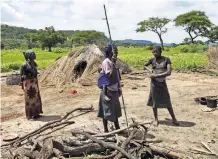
x=33, y=103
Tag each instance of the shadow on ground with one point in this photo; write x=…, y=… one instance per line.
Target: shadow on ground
x=47, y=118
x=181, y=123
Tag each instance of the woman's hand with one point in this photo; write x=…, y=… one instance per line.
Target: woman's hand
x=99, y=69
x=146, y=68
x=152, y=76
x=119, y=92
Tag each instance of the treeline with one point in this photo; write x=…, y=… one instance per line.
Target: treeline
x=195, y=23
x=19, y=37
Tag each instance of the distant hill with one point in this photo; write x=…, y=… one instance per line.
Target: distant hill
x=14, y=32
x=137, y=42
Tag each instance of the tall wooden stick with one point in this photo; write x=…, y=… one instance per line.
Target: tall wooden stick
x=124, y=107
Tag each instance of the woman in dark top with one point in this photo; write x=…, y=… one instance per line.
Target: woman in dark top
x=159, y=96
x=33, y=104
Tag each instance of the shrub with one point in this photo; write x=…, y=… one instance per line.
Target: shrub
x=194, y=48
x=184, y=50
x=4, y=69
x=149, y=47
x=167, y=49
x=59, y=50
x=14, y=66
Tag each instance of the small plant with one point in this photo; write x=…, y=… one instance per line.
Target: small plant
x=149, y=47
x=184, y=50
x=14, y=66
x=167, y=49
x=194, y=48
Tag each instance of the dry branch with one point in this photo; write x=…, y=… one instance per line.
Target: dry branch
x=208, y=148
x=202, y=151
x=42, y=130
x=53, y=130
x=126, y=142
x=77, y=151
x=22, y=152
x=120, y=130
x=166, y=152
x=105, y=144
x=47, y=150
x=47, y=126
x=58, y=154
x=112, y=154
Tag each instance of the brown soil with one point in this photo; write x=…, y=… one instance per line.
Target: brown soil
x=195, y=125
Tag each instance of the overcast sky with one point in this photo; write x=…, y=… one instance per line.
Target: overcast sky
x=123, y=15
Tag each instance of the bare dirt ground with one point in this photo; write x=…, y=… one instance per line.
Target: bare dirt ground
x=195, y=125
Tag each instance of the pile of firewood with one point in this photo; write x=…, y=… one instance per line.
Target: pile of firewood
x=130, y=142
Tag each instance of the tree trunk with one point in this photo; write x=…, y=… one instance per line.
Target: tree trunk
x=192, y=39
x=161, y=41
x=49, y=49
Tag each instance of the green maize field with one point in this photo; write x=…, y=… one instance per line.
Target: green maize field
x=136, y=57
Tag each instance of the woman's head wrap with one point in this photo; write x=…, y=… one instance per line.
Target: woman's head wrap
x=108, y=49
x=29, y=55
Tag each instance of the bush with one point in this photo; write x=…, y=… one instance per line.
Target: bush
x=59, y=50
x=184, y=50
x=149, y=47
x=194, y=48
x=4, y=69
x=167, y=49
x=14, y=66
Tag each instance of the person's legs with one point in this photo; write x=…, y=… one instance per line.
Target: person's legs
x=173, y=116
x=116, y=124
x=155, y=116
x=105, y=125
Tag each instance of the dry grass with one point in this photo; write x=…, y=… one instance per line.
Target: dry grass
x=213, y=57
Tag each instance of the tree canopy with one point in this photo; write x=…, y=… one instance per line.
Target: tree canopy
x=49, y=37
x=87, y=37
x=195, y=23
x=213, y=34
x=154, y=24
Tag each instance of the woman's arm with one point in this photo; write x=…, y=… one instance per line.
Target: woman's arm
x=167, y=73
x=146, y=66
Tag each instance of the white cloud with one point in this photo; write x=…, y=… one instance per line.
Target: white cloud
x=10, y=11
x=87, y=14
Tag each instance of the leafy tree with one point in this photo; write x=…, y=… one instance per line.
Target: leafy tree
x=154, y=24
x=49, y=37
x=31, y=39
x=87, y=37
x=195, y=23
x=213, y=34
